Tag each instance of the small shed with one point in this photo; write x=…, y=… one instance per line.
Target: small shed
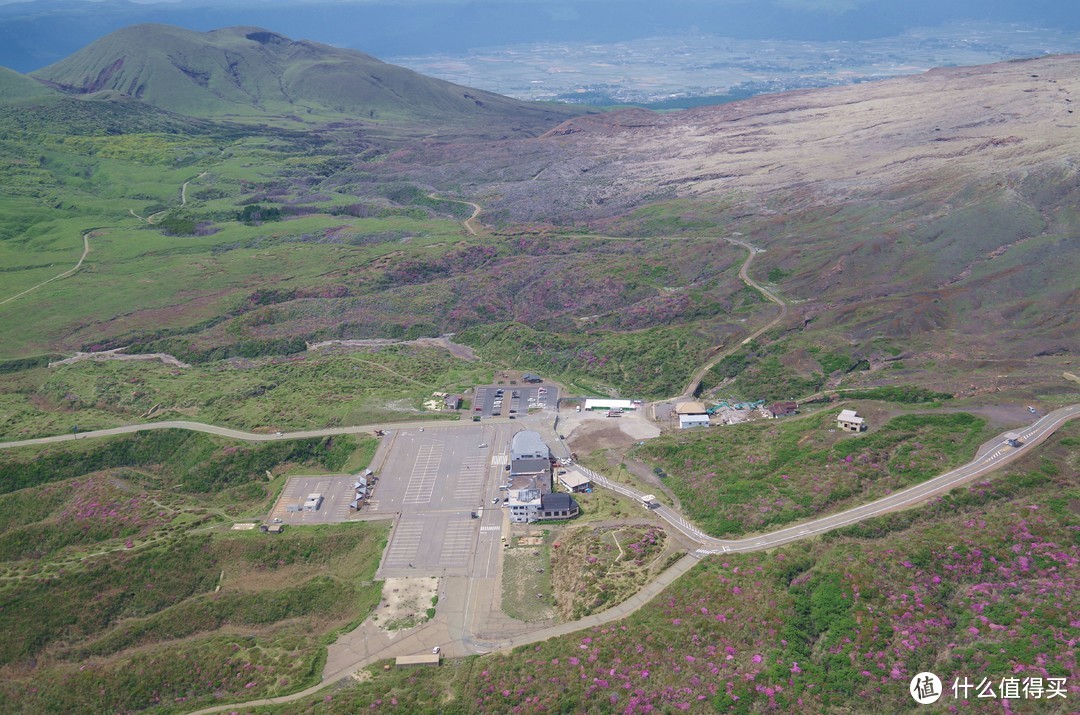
x=574, y=481
x=408, y=661
x=452, y=402
x=849, y=421
x=688, y=421
x=1013, y=440
x=530, y=377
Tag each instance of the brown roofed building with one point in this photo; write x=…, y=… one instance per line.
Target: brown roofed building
x=783, y=409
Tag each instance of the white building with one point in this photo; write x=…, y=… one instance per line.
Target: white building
x=686, y=421
x=849, y=421
x=597, y=404
x=529, y=505
x=529, y=454
x=574, y=482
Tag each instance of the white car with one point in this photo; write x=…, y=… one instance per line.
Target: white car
x=279, y=434
x=495, y=500
x=482, y=445
x=1031, y=410
x=436, y=649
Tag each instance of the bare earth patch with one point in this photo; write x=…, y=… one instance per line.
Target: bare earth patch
x=405, y=602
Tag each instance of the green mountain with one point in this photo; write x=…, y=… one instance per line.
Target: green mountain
x=17, y=87
x=250, y=73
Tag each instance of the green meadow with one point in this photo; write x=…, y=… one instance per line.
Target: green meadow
x=154, y=602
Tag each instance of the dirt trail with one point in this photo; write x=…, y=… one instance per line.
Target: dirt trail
x=116, y=354
x=462, y=352
x=467, y=223
x=695, y=381
x=65, y=274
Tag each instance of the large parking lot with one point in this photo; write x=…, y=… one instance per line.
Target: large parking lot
x=432, y=481
x=513, y=400
x=435, y=479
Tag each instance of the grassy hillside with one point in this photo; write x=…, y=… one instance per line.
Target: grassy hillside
x=247, y=72
x=15, y=87
x=757, y=477
x=152, y=601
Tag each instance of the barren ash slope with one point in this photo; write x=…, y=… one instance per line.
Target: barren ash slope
x=940, y=209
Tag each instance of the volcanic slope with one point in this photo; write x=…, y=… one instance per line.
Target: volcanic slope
x=937, y=210
x=15, y=87
x=250, y=73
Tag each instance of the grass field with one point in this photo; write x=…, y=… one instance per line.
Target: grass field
x=321, y=389
x=753, y=477
x=153, y=602
x=526, y=582
x=596, y=568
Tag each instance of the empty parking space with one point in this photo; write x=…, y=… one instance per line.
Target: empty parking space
x=403, y=548
x=427, y=544
x=457, y=545
x=424, y=473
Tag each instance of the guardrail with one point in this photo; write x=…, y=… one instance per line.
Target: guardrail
x=665, y=513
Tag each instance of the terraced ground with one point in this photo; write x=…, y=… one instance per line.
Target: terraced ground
x=154, y=604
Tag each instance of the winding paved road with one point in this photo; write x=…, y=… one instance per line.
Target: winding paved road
x=993, y=455
x=212, y=429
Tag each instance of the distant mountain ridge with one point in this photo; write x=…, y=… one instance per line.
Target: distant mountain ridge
x=251, y=73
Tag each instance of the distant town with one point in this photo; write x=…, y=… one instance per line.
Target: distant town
x=685, y=70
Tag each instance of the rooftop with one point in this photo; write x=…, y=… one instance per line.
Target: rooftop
x=574, y=479
x=526, y=444
x=556, y=501
x=690, y=408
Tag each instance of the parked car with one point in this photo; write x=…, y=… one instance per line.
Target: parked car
x=436, y=649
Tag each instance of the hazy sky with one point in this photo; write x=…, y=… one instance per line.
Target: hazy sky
x=33, y=34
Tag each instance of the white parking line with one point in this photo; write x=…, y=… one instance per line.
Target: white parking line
x=424, y=473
